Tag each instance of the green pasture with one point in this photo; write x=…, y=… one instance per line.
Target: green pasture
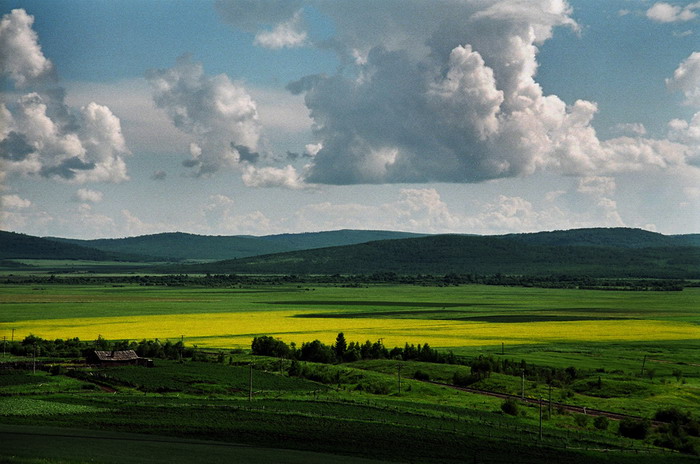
x=29, y=444
x=511, y=307
x=467, y=302
x=424, y=423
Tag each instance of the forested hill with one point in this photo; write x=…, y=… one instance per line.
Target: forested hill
x=182, y=246
x=618, y=237
x=445, y=254
x=20, y=246
x=311, y=240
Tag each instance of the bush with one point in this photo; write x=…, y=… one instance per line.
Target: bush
x=57, y=369
x=420, y=375
x=601, y=422
x=672, y=415
x=268, y=346
x=463, y=380
x=634, y=428
x=581, y=420
x=374, y=387
x=510, y=406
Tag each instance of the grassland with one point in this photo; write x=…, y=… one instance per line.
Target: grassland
x=357, y=411
x=463, y=319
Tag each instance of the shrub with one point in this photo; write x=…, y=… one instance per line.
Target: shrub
x=57, y=369
x=420, y=375
x=463, y=380
x=581, y=420
x=672, y=415
x=601, y=423
x=634, y=428
x=374, y=387
x=510, y=406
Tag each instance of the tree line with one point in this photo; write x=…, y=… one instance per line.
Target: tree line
x=32, y=346
x=355, y=280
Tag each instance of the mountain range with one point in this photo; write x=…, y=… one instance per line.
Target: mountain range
x=609, y=252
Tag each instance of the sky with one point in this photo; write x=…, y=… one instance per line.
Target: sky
x=257, y=117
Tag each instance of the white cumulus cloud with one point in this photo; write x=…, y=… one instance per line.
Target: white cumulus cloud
x=447, y=93
x=20, y=53
x=88, y=196
x=14, y=202
x=664, y=12
x=220, y=115
x=287, y=34
x=686, y=78
x=41, y=134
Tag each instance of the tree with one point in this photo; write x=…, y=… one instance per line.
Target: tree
x=316, y=351
x=634, y=428
x=510, y=407
x=340, y=347
x=269, y=346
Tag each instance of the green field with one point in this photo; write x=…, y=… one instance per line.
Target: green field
x=605, y=335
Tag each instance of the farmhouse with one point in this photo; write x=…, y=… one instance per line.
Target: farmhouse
x=117, y=358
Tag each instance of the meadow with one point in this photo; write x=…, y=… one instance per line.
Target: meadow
x=609, y=337
x=535, y=323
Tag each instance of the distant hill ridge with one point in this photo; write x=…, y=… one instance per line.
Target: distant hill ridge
x=618, y=237
x=21, y=246
x=183, y=246
x=443, y=254
x=596, y=252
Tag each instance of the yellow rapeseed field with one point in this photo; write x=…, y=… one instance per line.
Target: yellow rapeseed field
x=236, y=329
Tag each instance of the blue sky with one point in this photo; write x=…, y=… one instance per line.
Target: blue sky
x=257, y=117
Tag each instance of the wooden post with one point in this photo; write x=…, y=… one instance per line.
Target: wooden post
x=644, y=361
x=399, y=376
x=550, y=401
x=34, y=364
x=503, y=348
x=250, y=384
x=540, y=417
x=522, y=386
x=4, y=344
x=13, y=335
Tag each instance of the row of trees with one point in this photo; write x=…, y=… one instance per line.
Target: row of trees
x=75, y=348
x=228, y=280
x=342, y=351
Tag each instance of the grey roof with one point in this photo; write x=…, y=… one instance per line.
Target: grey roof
x=126, y=355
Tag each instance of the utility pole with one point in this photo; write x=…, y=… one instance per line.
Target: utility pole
x=503, y=348
x=34, y=364
x=550, y=401
x=13, y=335
x=4, y=344
x=644, y=361
x=250, y=384
x=399, y=375
x=540, y=417
x=522, y=386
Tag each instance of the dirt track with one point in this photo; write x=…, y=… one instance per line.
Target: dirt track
x=545, y=403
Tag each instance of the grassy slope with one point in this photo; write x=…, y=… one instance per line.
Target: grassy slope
x=463, y=254
x=425, y=423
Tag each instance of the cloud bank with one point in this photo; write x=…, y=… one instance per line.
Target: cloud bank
x=39, y=133
x=219, y=114
x=447, y=92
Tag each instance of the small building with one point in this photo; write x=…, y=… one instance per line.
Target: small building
x=117, y=358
